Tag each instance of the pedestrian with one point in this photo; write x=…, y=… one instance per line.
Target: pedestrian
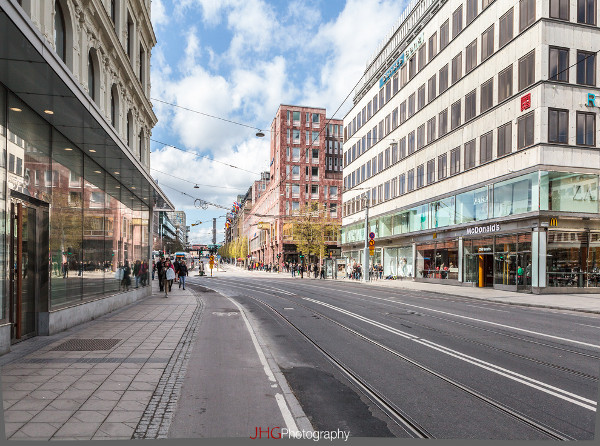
x=322, y=272
x=144, y=273
x=169, y=276
x=126, y=281
x=183, y=271
x=136, y=272
x=160, y=265
x=176, y=264
x=201, y=268
x=162, y=279
x=153, y=268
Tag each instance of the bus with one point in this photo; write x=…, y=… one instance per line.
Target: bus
x=187, y=258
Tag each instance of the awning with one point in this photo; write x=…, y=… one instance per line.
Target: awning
x=32, y=70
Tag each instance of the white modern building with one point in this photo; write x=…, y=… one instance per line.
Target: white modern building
x=474, y=135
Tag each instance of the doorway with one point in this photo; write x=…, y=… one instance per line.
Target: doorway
x=28, y=278
x=485, y=266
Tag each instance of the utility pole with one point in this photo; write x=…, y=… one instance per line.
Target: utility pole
x=366, y=256
x=214, y=231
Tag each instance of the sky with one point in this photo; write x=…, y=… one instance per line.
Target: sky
x=239, y=60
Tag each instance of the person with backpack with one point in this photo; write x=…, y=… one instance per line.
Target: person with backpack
x=183, y=271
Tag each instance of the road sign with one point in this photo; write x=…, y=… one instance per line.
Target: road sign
x=371, y=242
x=371, y=235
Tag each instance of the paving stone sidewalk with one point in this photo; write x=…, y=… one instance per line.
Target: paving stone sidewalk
x=126, y=391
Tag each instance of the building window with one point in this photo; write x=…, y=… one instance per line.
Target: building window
x=457, y=21
x=470, y=155
x=402, y=184
x=411, y=180
x=113, y=107
x=403, y=76
x=386, y=191
x=471, y=10
x=486, y=147
x=142, y=61
x=420, y=176
x=486, y=3
x=456, y=68
x=422, y=57
x=394, y=153
x=403, y=112
x=431, y=87
x=432, y=46
x=129, y=129
x=487, y=95
x=431, y=130
x=411, y=105
x=559, y=64
x=113, y=12
x=586, y=11
x=559, y=9
x=443, y=122
x=444, y=35
x=526, y=13
x=141, y=145
x=527, y=70
x=403, y=147
x=487, y=43
x=506, y=28
x=586, y=129
x=421, y=137
x=91, y=77
x=421, y=97
x=60, y=37
x=129, y=37
x=505, y=84
x=525, y=131
x=470, y=109
x=442, y=166
x=412, y=67
x=455, y=161
x=455, y=115
x=471, y=56
x=444, y=78
x=586, y=68
x=394, y=119
x=411, y=142
x=504, y=139
x=394, y=187
x=558, y=126
x=395, y=88
x=431, y=171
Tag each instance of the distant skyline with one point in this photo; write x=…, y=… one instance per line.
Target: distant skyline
x=239, y=60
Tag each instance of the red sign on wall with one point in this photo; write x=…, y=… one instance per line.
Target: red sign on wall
x=526, y=102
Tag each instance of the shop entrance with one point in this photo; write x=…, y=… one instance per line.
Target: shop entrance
x=485, y=268
x=28, y=278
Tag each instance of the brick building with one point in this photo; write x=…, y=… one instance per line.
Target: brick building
x=306, y=165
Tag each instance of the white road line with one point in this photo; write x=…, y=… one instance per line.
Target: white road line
x=530, y=382
x=283, y=408
x=573, y=341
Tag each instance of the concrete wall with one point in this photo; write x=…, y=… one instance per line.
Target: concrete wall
x=4, y=339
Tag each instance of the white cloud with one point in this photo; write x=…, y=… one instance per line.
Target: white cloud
x=158, y=14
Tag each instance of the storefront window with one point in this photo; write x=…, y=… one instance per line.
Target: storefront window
x=442, y=212
x=401, y=223
x=472, y=206
x=3, y=222
x=593, y=263
x=568, y=192
x=438, y=260
x=505, y=260
x=567, y=259
x=516, y=196
x=418, y=218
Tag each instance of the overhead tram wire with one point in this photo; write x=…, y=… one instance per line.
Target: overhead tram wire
x=196, y=198
x=203, y=156
x=199, y=184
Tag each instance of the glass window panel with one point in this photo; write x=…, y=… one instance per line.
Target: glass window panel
x=472, y=206
x=515, y=196
x=568, y=192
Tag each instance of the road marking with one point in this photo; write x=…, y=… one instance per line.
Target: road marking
x=530, y=382
x=587, y=344
x=283, y=408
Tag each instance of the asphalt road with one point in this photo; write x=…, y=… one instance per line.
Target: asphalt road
x=444, y=366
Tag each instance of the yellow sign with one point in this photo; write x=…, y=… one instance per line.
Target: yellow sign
x=371, y=242
x=554, y=222
x=371, y=252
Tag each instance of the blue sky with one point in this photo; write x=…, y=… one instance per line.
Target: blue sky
x=240, y=59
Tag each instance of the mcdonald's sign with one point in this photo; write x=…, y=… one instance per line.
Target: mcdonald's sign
x=554, y=222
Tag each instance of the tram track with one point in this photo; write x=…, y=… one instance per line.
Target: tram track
x=398, y=416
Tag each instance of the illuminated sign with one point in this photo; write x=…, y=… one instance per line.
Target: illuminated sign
x=406, y=54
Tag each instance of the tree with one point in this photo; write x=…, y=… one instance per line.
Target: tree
x=312, y=228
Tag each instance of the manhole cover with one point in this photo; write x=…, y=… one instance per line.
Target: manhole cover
x=84, y=345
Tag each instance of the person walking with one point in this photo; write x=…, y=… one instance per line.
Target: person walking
x=126, y=281
x=201, y=268
x=176, y=264
x=153, y=268
x=169, y=276
x=160, y=266
x=144, y=273
x=136, y=272
x=183, y=271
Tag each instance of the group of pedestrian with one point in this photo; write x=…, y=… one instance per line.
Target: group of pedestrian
x=376, y=271
x=354, y=271
x=261, y=266
x=168, y=273
x=139, y=271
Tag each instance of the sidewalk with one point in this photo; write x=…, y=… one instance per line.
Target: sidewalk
x=117, y=377
x=587, y=303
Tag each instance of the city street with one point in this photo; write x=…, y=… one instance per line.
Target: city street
x=425, y=364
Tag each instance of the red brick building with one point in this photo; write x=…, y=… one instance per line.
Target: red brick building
x=306, y=165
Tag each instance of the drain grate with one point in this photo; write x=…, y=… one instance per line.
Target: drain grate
x=86, y=345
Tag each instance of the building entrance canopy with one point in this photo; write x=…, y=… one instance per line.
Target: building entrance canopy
x=32, y=70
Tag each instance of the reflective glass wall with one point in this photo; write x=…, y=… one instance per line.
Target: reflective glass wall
x=96, y=224
x=3, y=220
